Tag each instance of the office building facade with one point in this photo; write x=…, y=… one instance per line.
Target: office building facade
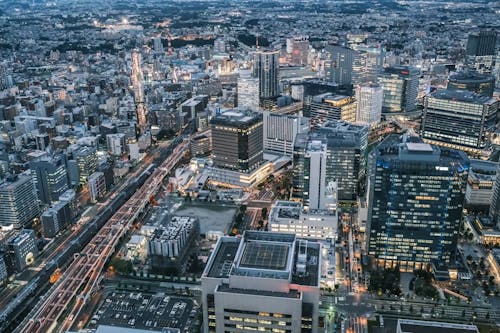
x=248, y=91
x=338, y=64
x=459, y=119
x=482, y=84
x=18, y=201
x=266, y=68
x=276, y=274
x=347, y=156
x=368, y=63
x=369, y=99
x=237, y=140
x=280, y=131
x=327, y=107
x=22, y=249
x=315, y=164
x=400, y=85
x=51, y=177
x=481, y=51
x=416, y=197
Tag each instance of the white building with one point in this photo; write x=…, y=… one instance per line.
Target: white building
x=369, y=107
x=287, y=216
x=280, y=131
x=315, y=175
x=248, y=91
x=116, y=144
x=97, y=186
x=263, y=281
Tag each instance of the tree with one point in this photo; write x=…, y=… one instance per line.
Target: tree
x=263, y=212
x=243, y=209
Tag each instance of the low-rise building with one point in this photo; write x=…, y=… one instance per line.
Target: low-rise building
x=415, y=326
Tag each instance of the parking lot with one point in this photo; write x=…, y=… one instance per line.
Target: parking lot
x=146, y=311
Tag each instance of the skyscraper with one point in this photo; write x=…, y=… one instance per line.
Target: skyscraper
x=315, y=175
x=481, y=51
x=400, y=84
x=87, y=162
x=237, y=140
x=369, y=98
x=266, y=68
x=495, y=201
x=263, y=281
x=327, y=107
x=18, y=201
x=416, y=198
x=338, y=64
x=459, y=119
x=347, y=156
x=368, y=63
x=51, y=177
x=248, y=91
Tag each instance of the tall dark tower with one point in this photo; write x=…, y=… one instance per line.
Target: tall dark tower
x=481, y=51
x=266, y=68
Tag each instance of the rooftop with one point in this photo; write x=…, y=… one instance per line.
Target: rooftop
x=262, y=255
x=419, y=326
x=461, y=96
x=237, y=117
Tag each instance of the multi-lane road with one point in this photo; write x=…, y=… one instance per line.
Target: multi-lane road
x=72, y=290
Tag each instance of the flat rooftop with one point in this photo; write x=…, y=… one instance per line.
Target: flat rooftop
x=461, y=96
x=265, y=256
x=419, y=326
x=291, y=294
x=224, y=257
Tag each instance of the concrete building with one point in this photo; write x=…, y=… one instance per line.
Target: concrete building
x=22, y=249
x=460, y=120
x=116, y=144
x=248, y=90
x=289, y=217
x=480, y=183
x=18, y=201
x=416, y=199
x=87, y=163
x=97, y=186
x=170, y=245
x=369, y=98
x=200, y=146
x=327, y=107
x=276, y=274
x=280, y=131
x=315, y=175
x=56, y=219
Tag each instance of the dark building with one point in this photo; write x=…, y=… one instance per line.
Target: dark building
x=56, y=219
x=338, y=64
x=237, y=140
x=299, y=152
x=266, y=68
x=51, y=177
x=416, y=197
x=482, y=84
x=459, y=119
x=346, y=156
x=400, y=84
x=482, y=43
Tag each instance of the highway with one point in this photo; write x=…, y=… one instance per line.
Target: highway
x=80, y=278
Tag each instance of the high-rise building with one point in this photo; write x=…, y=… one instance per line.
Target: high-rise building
x=495, y=200
x=369, y=103
x=459, y=119
x=482, y=84
x=116, y=144
x=56, y=219
x=338, y=64
x=400, y=84
x=51, y=177
x=368, y=63
x=276, y=274
x=480, y=183
x=22, y=249
x=237, y=140
x=299, y=152
x=481, y=51
x=280, y=131
x=87, y=162
x=327, y=107
x=416, y=197
x=299, y=50
x=266, y=68
x=97, y=186
x=248, y=91
x=18, y=201
x=3, y=270
x=315, y=164
x=347, y=156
